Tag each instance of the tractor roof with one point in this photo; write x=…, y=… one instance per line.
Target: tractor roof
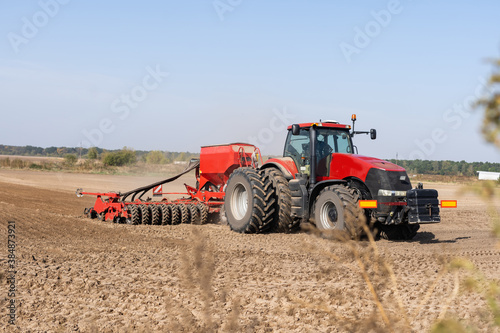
x=323, y=124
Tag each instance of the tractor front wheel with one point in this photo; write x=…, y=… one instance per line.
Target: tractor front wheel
x=335, y=209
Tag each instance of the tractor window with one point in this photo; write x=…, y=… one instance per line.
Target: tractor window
x=333, y=141
x=297, y=146
x=329, y=140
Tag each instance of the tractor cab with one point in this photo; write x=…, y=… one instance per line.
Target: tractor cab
x=331, y=137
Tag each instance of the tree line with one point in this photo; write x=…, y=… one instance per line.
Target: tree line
x=129, y=156
x=448, y=168
x=109, y=157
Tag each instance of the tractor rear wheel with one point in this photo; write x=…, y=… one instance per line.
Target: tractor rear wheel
x=284, y=221
x=335, y=208
x=249, y=201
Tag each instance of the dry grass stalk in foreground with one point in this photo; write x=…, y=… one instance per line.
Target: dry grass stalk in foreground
x=474, y=280
x=197, y=281
x=390, y=313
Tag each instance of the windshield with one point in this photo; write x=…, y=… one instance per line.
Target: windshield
x=334, y=140
x=330, y=140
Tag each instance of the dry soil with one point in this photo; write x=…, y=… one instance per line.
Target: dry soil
x=77, y=274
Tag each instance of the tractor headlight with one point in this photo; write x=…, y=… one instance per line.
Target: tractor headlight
x=390, y=193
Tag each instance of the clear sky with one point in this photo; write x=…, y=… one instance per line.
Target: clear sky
x=177, y=75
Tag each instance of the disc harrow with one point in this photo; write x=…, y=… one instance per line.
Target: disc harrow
x=212, y=172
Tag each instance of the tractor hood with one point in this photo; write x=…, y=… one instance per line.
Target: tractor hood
x=377, y=163
x=377, y=174
x=348, y=165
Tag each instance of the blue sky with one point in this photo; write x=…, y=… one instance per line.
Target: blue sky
x=177, y=75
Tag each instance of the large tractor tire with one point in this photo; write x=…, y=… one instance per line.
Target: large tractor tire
x=249, y=201
x=335, y=208
x=283, y=219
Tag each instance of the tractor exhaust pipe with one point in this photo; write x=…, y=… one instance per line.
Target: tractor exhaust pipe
x=313, y=138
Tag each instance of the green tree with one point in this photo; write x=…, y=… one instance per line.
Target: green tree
x=156, y=157
x=123, y=157
x=70, y=159
x=182, y=157
x=92, y=154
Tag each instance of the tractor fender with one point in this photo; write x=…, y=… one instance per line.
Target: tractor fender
x=285, y=164
x=360, y=186
x=321, y=185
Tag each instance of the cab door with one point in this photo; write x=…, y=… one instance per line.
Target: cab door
x=297, y=147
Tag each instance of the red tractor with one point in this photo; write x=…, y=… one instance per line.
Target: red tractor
x=321, y=179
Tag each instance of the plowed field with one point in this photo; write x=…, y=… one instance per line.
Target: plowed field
x=77, y=274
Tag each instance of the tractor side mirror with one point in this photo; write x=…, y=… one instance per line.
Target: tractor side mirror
x=295, y=129
x=373, y=134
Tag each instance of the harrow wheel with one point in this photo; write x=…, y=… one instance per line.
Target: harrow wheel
x=155, y=214
x=145, y=214
x=166, y=214
x=203, y=213
x=135, y=217
x=92, y=213
x=194, y=213
x=176, y=218
x=184, y=213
